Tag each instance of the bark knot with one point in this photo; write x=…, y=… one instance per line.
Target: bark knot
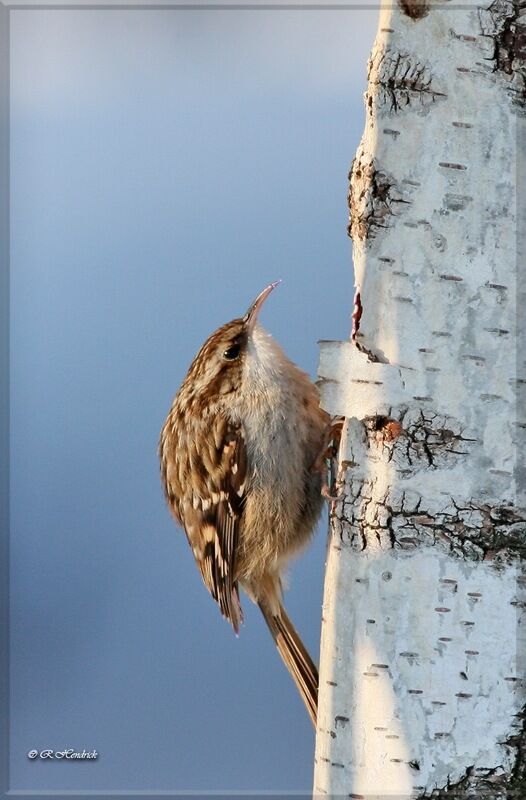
x=374, y=198
x=387, y=430
x=418, y=439
x=414, y=9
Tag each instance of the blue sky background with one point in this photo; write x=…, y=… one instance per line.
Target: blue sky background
x=165, y=166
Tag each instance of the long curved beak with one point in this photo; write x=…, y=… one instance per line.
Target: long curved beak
x=251, y=316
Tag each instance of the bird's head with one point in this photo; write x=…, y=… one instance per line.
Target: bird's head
x=237, y=355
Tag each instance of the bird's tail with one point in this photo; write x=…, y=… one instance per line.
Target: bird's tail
x=295, y=656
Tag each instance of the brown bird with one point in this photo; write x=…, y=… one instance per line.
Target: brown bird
x=241, y=456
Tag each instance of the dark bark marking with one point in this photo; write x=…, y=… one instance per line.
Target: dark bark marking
x=462, y=37
x=374, y=198
x=389, y=429
x=414, y=9
x=456, y=202
x=356, y=315
x=427, y=439
x=451, y=165
x=504, y=21
x=498, y=331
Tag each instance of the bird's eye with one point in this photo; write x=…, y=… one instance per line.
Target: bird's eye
x=232, y=352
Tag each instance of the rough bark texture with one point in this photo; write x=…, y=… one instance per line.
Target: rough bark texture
x=422, y=690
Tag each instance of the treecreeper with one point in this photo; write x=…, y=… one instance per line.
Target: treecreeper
x=242, y=457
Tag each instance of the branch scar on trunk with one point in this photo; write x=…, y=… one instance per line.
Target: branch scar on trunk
x=399, y=81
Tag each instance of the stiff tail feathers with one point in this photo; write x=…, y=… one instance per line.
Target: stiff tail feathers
x=295, y=657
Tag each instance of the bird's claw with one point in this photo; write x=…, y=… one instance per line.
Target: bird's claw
x=326, y=493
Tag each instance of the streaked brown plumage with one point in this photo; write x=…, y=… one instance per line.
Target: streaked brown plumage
x=240, y=453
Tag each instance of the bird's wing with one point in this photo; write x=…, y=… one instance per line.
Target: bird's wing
x=210, y=509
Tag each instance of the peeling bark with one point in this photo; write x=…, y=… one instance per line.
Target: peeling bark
x=422, y=673
x=494, y=783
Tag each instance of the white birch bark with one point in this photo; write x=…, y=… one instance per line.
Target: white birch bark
x=423, y=641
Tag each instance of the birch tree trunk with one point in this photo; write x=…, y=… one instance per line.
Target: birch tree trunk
x=422, y=688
